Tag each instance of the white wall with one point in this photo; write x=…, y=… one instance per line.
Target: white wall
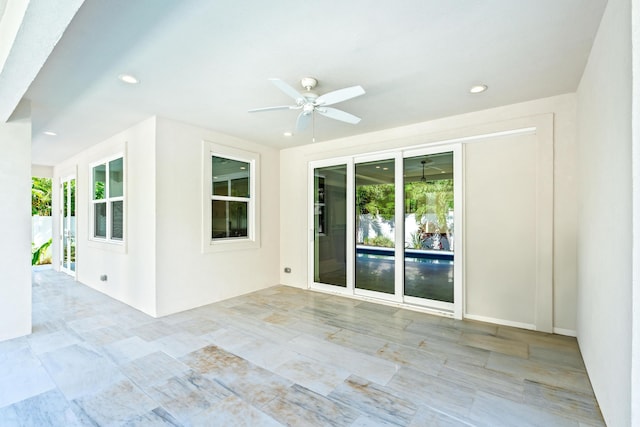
x=635, y=353
x=605, y=214
x=41, y=171
x=186, y=277
x=131, y=268
x=293, y=187
x=15, y=226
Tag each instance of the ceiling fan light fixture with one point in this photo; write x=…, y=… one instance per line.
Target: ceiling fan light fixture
x=478, y=88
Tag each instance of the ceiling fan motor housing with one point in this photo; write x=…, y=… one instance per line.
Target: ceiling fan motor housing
x=308, y=82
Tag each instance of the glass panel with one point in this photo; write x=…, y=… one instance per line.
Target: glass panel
x=117, y=220
x=375, y=226
x=240, y=187
x=99, y=181
x=116, y=178
x=100, y=220
x=428, y=259
x=221, y=188
x=65, y=224
x=228, y=219
x=230, y=177
x=72, y=225
x=330, y=236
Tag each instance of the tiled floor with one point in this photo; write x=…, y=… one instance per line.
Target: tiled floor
x=281, y=356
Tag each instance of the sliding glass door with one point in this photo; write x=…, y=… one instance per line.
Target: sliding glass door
x=330, y=225
x=386, y=226
x=68, y=225
x=375, y=238
x=429, y=227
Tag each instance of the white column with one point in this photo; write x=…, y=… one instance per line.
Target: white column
x=15, y=225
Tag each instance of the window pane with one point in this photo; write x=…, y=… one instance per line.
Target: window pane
x=240, y=187
x=429, y=231
x=330, y=225
x=116, y=175
x=229, y=219
x=99, y=180
x=375, y=226
x=225, y=171
x=221, y=188
x=100, y=220
x=117, y=220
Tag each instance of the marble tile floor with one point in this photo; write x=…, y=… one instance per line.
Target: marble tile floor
x=281, y=356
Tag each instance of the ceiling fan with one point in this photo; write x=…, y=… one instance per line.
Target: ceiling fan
x=425, y=162
x=309, y=102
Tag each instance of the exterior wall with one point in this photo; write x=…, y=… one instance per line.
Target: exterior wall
x=41, y=171
x=293, y=187
x=187, y=277
x=15, y=227
x=635, y=353
x=605, y=215
x=130, y=269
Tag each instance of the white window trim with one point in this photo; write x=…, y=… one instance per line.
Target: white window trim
x=108, y=200
x=252, y=241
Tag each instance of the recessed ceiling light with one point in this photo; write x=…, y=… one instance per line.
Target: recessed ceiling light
x=478, y=88
x=128, y=78
x=48, y=132
x=288, y=134
x=242, y=168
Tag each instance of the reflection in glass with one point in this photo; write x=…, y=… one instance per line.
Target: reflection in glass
x=117, y=220
x=429, y=231
x=330, y=225
x=230, y=177
x=100, y=220
x=99, y=181
x=228, y=219
x=116, y=178
x=375, y=226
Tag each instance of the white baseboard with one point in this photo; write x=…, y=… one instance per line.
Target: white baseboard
x=566, y=332
x=500, y=322
x=559, y=331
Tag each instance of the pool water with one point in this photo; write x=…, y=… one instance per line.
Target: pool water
x=423, y=277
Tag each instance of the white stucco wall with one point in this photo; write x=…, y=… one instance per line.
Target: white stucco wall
x=130, y=269
x=293, y=187
x=15, y=227
x=635, y=353
x=186, y=277
x=605, y=209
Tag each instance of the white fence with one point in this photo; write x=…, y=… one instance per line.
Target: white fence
x=374, y=225
x=41, y=229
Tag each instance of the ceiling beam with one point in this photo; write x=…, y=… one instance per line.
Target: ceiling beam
x=29, y=31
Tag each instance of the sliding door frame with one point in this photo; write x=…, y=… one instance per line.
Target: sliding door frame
x=454, y=309
x=350, y=230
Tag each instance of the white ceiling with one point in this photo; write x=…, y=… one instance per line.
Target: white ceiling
x=207, y=63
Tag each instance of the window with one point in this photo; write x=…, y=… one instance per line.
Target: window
x=231, y=198
x=108, y=200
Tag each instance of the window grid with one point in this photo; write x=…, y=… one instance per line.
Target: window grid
x=228, y=199
x=108, y=201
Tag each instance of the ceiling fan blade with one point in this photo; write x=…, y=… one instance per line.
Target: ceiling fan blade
x=284, y=87
x=279, y=107
x=334, y=113
x=340, y=95
x=303, y=121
